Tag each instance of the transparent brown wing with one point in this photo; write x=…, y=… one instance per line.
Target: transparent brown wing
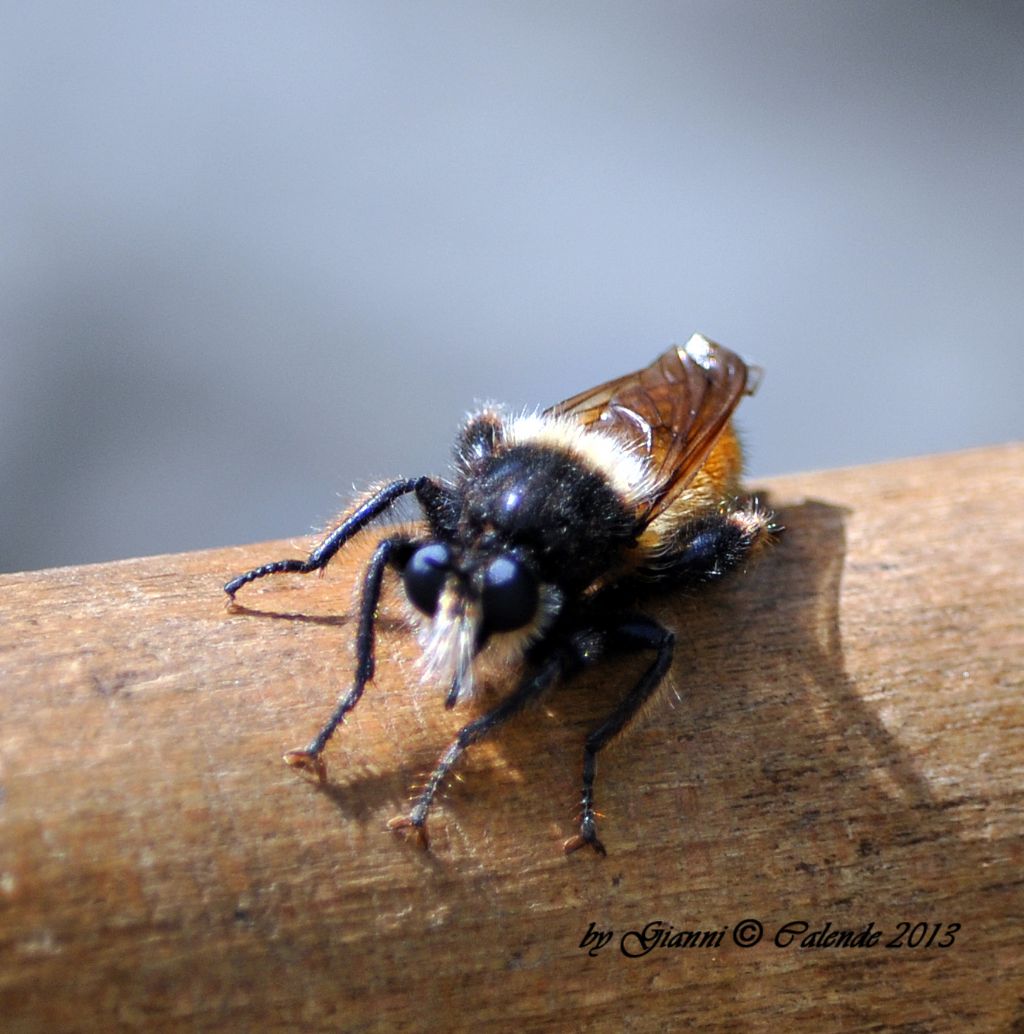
x=671, y=412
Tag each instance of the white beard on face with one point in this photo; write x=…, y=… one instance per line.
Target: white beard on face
x=448, y=641
x=449, y=644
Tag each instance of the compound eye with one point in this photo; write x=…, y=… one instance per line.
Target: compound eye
x=424, y=576
x=510, y=595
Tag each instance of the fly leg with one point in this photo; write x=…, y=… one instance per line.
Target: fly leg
x=528, y=689
x=633, y=633
x=717, y=543
x=322, y=554
x=394, y=552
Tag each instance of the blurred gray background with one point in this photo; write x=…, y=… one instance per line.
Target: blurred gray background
x=253, y=253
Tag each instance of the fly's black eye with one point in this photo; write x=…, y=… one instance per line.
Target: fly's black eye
x=424, y=576
x=509, y=596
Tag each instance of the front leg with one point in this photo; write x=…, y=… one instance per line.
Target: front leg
x=632, y=633
x=354, y=523
x=528, y=689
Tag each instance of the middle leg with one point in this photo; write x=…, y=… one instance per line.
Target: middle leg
x=632, y=633
x=390, y=552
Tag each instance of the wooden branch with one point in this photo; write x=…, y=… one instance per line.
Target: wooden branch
x=845, y=747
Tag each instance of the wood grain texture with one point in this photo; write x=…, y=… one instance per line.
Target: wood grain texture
x=844, y=744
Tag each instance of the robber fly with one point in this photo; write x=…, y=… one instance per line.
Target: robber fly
x=532, y=552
